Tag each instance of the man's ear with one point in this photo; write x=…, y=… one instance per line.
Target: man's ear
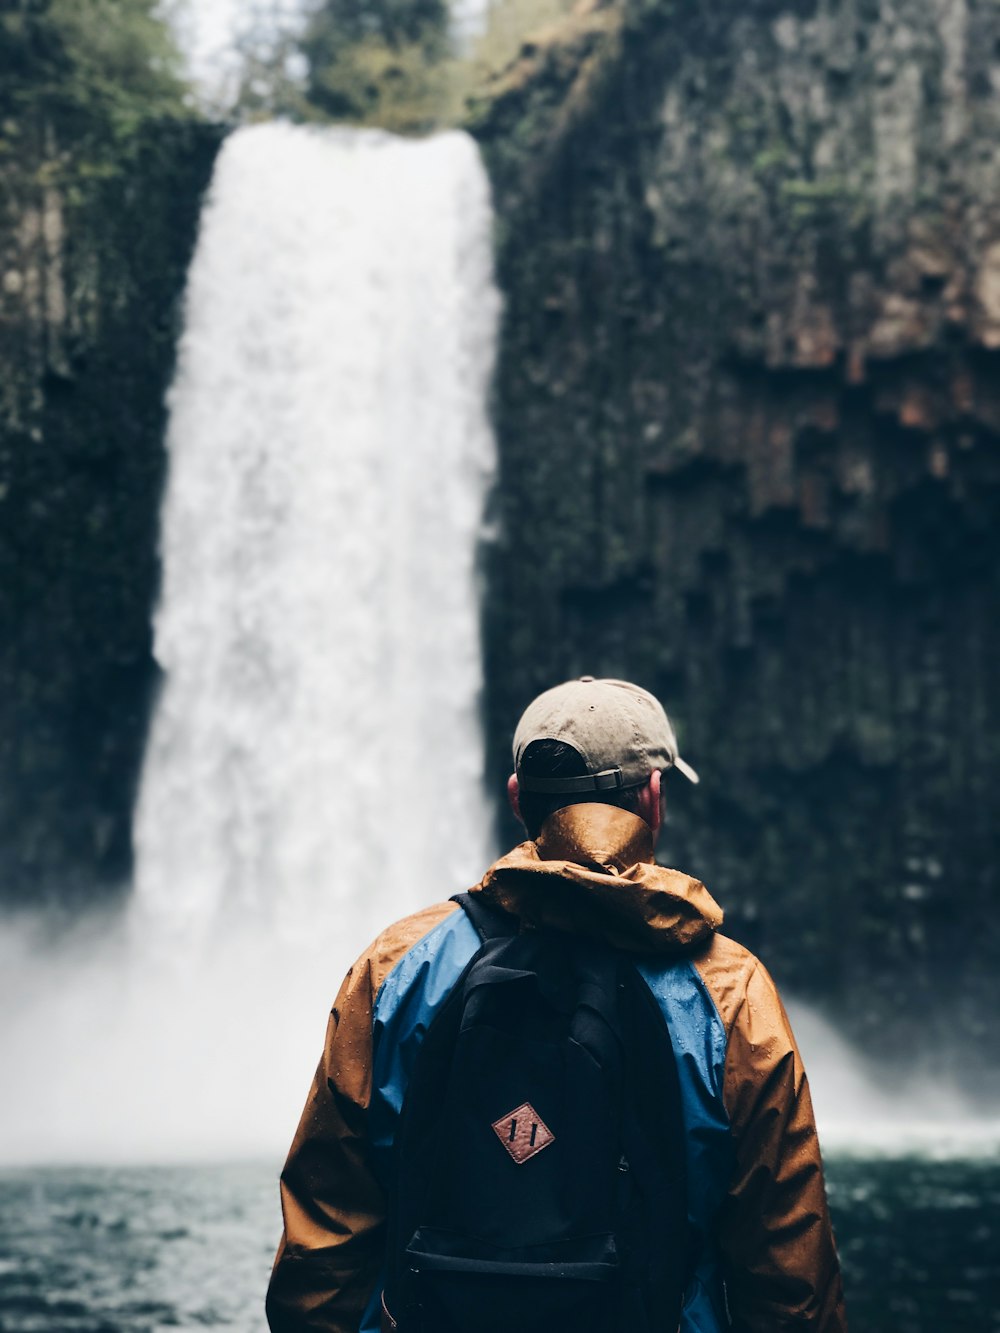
x=650, y=806
x=514, y=796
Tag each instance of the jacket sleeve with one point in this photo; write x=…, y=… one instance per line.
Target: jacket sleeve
x=334, y=1209
x=779, y=1257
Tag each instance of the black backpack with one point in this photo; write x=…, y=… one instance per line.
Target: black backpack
x=539, y=1163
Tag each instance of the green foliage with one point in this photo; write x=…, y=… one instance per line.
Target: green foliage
x=396, y=23
x=90, y=71
x=396, y=88
x=380, y=62
x=511, y=23
x=390, y=63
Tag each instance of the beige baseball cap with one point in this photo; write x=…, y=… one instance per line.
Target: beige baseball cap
x=620, y=730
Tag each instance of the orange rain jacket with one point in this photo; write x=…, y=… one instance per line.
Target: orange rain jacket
x=756, y=1195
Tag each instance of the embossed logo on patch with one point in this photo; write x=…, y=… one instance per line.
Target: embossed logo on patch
x=523, y=1132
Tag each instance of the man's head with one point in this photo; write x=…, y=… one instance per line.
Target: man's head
x=592, y=740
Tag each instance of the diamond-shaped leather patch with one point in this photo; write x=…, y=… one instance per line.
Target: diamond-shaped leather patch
x=523, y=1132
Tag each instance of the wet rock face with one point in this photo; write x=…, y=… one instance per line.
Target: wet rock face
x=91, y=269
x=749, y=413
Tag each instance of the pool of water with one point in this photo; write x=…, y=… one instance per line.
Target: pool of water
x=142, y=1249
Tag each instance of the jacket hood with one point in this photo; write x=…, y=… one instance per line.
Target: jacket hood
x=591, y=872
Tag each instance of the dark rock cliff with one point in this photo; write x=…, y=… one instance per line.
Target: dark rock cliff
x=749, y=415
x=92, y=263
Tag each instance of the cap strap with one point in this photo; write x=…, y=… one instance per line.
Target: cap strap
x=603, y=781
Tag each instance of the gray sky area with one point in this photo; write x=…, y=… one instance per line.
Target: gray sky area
x=207, y=30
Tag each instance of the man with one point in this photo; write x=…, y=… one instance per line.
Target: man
x=589, y=757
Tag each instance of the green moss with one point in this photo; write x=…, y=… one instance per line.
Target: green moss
x=811, y=201
x=775, y=158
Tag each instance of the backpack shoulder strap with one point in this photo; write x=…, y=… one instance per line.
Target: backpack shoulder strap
x=491, y=923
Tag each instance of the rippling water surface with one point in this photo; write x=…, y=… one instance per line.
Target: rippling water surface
x=135, y=1250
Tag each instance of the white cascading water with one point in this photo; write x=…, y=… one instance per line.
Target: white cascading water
x=315, y=765
x=316, y=758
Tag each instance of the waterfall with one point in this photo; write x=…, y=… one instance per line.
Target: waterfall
x=316, y=757
x=315, y=764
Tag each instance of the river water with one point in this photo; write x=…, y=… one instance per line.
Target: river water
x=139, y=1250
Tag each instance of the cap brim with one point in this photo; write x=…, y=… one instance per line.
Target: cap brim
x=687, y=770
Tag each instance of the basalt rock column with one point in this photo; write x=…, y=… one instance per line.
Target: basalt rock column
x=750, y=456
